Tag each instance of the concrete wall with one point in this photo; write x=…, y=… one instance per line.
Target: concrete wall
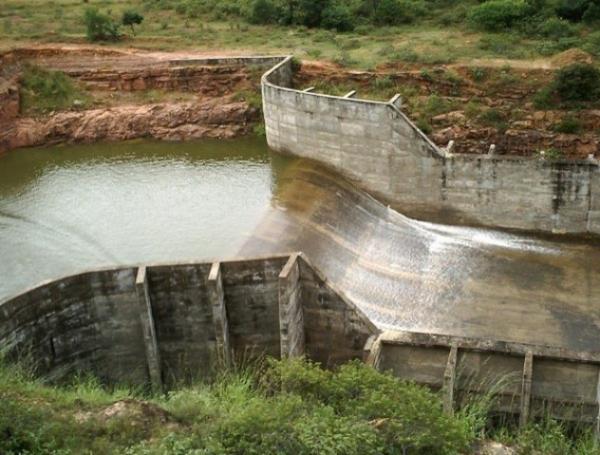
x=528, y=381
x=376, y=145
x=167, y=323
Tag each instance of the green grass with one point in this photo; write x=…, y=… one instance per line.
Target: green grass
x=270, y=407
x=426, y=42
x=42, y=91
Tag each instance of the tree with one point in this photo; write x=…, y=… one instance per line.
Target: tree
x=131, y=18
x=100, y=27
x=337, y=16
x=263, y=12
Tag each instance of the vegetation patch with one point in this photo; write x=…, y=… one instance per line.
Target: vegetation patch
x=42, y=91
x=272, y=407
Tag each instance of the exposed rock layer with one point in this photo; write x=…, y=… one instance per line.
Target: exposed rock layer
x=214, y=118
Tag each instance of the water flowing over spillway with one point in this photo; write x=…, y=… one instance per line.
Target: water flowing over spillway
x=417, y=276
x=66, y=210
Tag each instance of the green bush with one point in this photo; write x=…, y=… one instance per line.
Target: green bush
x=395, y=12
x=568, y=125
x=410, y=417
x=572, y=10
x=496, y=15
x=494, y=118
x=308, y=12
x=100, y=27
x=131, y=18
x=337, y=16
x=263, y=12
x=577, y=82
x=592, y=14
x=592, y=43
x=556, y=28
x=44, y=91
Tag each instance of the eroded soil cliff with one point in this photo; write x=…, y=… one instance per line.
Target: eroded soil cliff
x=128, y=94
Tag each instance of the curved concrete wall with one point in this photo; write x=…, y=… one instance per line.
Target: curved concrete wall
x=163, y=324
x=376, y=145
x=166, y=323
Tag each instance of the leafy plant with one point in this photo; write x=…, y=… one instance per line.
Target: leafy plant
x=43, y=91
x=337, y=16
x=496, y=15
x=100, y=27
x=578, y=82
x=568, y=125
x=394, y=12
x=131, y=18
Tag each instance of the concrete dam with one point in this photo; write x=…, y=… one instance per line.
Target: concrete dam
x=332, y=273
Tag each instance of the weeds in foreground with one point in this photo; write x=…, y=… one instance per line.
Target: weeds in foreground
x=266, y=407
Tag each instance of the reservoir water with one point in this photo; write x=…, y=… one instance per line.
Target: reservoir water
x=67, y=209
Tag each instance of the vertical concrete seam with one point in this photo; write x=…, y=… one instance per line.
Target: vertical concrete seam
x=597, y=429
x=291, y=312
x=450, y=380
x=219, y=313
x=148, y=329
x=526, y=389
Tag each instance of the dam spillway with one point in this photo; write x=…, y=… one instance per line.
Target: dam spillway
x=423, y=277
x=404, y=274
x=485, y=298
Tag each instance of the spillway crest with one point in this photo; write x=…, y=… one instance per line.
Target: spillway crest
x=410, y=275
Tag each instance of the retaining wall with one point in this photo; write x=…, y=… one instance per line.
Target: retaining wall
x=165, y=323
x=529, y=381
x=377, y=146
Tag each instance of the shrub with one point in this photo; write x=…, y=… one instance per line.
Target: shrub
x=337, y=16
x=568, y=125
x=592, y=43
x=496, y=15
x=100, y=27
x=493, y=118
x=308, y=12
x=478, y=74
x=544, y=99
x=556, y=28
x=592, y=14
x=394, y=12
x=577, y=82
x=44, y=91
x=131, y=18
x=572, y=10
x=263, y=12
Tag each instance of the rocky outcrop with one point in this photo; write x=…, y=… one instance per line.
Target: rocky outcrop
x=519, y=140
x=9, y=101
x=216, y=118
x=203, y=80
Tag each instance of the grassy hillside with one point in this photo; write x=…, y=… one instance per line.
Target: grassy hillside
x=376, y=31
x=290, y=407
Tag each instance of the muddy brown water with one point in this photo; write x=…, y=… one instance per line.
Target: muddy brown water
x=73, y=208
